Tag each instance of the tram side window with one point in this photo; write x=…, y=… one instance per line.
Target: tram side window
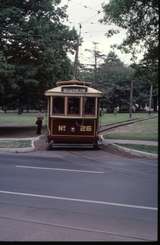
x=73, y=105
x=89, y=106
x=58, y=105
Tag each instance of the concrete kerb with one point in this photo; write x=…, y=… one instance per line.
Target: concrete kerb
x=40, y=143
x=135, y=152
x=130, y=151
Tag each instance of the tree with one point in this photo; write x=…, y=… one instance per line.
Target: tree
x=7, y=85
x=114, y=81
x=146, y=74
x=140, y=20
x=35, y=40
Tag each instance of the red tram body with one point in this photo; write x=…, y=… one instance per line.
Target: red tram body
x=73, y=113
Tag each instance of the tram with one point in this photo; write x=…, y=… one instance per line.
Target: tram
x=73, y=114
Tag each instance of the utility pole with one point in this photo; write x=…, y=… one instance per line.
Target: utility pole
x=95, y=60
x=76, y=55
x=131, y=100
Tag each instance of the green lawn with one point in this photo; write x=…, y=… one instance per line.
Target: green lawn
x=145, y=148
x=28, y=119
x=144, y=130
x=119, y=117
x=25, y=119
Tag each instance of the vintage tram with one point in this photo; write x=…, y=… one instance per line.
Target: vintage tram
x=73, y=114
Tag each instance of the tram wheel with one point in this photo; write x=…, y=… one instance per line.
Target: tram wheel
x=96, y=146
x=49, y=147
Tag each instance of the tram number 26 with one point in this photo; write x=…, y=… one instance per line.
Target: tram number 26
x=83, y=128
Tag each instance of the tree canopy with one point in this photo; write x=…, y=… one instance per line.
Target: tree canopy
x=114, y=80
x=34, y=41
x=140, y=20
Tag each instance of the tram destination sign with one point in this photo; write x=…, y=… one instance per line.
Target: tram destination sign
x=74, y=90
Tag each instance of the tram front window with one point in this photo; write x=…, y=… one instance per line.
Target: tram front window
x=73, y=105
x=89, y=106
x=58, y=105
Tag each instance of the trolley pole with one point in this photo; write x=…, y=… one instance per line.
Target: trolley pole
x=131, y=100
x=76, y=55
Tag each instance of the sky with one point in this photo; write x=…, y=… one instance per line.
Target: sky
x=87, y=13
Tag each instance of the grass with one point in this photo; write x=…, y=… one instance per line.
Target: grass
x=144, y=130
x=145, y=148
x=15, y=143
x=108, y=118
x=25, y=119
x=28, y=119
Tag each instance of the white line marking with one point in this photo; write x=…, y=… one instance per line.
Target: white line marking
x=79, y=200
x=60, y=169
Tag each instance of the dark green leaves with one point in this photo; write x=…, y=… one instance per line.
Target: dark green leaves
x=139, y=18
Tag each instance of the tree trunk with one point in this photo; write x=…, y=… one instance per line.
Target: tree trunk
x=150, y=98
x=155, y=100
x=131, y=100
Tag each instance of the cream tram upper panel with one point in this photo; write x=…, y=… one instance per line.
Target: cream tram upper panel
x=75, y=90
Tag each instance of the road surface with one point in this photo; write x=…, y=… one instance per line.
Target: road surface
x=77, y=195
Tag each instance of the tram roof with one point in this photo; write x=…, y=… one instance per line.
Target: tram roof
x=75, y=89
x=73, y=82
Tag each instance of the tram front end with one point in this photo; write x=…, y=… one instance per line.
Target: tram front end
x=73, y=114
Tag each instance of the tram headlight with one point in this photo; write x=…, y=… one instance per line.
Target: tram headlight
x=73, y=129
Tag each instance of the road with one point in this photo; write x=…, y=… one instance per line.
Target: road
x=77, y=195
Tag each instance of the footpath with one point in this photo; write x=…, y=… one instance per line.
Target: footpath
x=39, y=143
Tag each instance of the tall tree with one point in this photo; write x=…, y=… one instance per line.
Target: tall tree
x=34, y=38
x=140, y=20
x=7, y=85
x=114, y=81
x=147, y=75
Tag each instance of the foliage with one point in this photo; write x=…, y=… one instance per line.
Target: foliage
x=35, y=41
x=114, y=80
x=140, y=20
x=7, y=85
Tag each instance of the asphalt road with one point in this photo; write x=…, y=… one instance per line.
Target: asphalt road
x=71, y=195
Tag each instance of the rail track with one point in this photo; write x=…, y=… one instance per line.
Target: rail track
x=111, y=126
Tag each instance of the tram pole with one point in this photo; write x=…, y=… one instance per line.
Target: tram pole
x=76, y=55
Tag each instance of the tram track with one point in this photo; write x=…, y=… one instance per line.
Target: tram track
x=111, y=126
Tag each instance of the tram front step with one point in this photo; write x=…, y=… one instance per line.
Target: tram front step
x=56, y=145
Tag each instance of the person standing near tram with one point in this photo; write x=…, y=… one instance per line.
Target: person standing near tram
x=39, y=122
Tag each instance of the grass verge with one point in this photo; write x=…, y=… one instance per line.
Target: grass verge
x=108, y=118
x=15, y=143
x=144, y=130
x=144, y=148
